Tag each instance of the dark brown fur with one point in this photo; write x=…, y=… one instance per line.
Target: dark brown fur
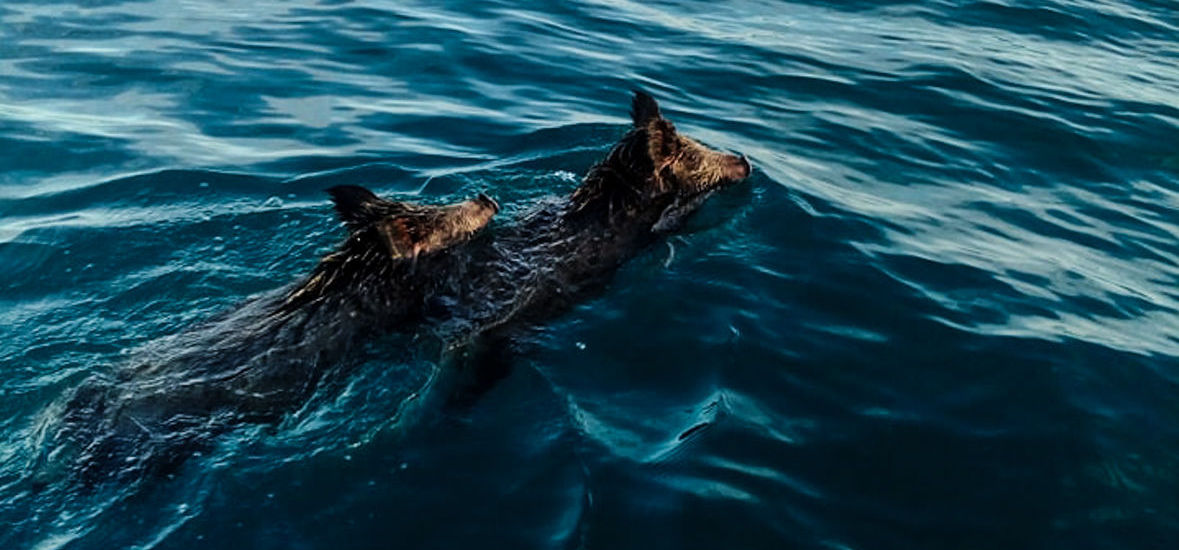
x=398, y=266
x=263, y=360
x=383, y=233
x=566, y=247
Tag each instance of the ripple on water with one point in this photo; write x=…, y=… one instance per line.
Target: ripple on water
x=941, y=313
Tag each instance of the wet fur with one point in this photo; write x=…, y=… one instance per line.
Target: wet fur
x=264, y=359
x=398, y=269
x=565, y=248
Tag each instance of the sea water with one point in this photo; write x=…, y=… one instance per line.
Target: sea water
x=940, y=314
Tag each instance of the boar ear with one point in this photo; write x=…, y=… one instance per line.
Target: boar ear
x=662, y=142
x=417, y=229
x=643, y=109
x=358, y=207
x=403, y=237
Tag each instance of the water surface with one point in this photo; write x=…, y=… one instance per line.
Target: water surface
x=941, y=314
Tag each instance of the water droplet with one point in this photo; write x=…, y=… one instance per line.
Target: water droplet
x=348, y=457
x=580, y=345
x=404, y=465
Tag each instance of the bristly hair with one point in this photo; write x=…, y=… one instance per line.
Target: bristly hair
x=617, y=183
x=372, y=252
x=635, y=169
x=361, y=257
x=384, y=241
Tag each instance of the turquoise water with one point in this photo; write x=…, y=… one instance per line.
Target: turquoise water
x=941, y=314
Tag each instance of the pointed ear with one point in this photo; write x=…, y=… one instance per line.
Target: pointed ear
x=358, y=207
x=402, y=237
x=643, y=109
x=662, y=142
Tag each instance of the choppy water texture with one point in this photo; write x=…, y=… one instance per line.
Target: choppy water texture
x=942, y=313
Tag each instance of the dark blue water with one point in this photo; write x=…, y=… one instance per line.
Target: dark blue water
x=941, y=314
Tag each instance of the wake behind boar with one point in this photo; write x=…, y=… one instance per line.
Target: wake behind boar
x=263, y=360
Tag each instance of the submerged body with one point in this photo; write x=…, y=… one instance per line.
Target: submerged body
x=263, y=360
x=401, y=265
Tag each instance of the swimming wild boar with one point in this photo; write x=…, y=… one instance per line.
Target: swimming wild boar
x=566, y=247
x=263, y=360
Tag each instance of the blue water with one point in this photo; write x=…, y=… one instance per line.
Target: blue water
x=941, y=314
